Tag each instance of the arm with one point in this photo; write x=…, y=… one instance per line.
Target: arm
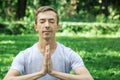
x=15, y=75
x=81, y=74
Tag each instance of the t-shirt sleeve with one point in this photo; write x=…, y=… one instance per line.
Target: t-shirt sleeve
x=18, y=63
x=75, y=60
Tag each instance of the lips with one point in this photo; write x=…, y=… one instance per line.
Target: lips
x=46, y=31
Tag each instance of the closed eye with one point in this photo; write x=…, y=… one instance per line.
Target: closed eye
x=42, y=21
x=52, y=21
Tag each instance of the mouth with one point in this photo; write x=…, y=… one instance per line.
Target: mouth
x=46, y=31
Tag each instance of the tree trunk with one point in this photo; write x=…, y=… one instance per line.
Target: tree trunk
x=104, y=3
x=9, y=9
x=106, y=7
x=21, y=9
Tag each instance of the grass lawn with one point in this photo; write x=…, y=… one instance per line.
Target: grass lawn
x=101, y=55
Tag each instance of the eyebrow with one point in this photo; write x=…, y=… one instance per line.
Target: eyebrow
x=41, y=19
x=48, y=19
x=52, y=19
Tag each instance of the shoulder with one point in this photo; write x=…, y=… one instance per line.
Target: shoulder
x=70, y=53
x=74, y=58
x=65, y=49
x=28, y=50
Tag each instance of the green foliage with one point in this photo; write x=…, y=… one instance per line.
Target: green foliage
x=18, y=27
x=101, y=18
x=100, y=54
x=27, y=26
x=91, y=28
x=83, y=10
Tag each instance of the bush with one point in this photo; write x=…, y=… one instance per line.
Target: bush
x=17, y=27
x=26, y=27
x=95, y=28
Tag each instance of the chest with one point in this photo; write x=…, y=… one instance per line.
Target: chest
x=59, y=63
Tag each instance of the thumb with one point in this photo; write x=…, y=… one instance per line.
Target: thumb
x=47, y=49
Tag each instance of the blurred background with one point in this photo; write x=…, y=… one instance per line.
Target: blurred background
x=90, y=27
x=17, y=16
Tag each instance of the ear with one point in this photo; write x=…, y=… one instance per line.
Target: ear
x=58, y=26
x=35, y=27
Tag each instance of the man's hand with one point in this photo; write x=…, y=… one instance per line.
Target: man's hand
x=47, y=63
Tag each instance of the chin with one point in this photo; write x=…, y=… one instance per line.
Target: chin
x=47, y=38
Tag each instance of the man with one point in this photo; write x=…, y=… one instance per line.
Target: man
x=47, y=59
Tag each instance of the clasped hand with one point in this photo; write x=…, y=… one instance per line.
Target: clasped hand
x=47, y=63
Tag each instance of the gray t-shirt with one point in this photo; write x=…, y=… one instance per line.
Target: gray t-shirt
x=30, y=61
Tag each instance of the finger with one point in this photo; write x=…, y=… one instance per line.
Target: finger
x=47, y=51
x=48, y=58
x=45, y=59
x=45, y=63
x=46, y=55
x=49, y=65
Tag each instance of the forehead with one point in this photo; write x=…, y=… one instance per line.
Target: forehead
x=47, y=15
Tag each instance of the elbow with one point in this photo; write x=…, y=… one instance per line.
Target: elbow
x=8, y=78
x=90, y=78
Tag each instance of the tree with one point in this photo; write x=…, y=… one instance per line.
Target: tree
x=45, y=2
x=9, y=9
x=21, y=7
x=104, y=7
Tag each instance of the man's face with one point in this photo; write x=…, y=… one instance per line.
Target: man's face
x=47, y=24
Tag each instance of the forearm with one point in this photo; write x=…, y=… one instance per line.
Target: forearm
x=65, y=76
x=26, y=77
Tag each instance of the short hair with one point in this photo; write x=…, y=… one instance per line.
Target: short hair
x=43, y=9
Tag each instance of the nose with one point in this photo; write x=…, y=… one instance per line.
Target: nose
x=47, y=25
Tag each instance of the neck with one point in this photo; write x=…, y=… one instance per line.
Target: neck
x=42, y=44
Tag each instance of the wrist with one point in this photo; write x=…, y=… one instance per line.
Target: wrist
x=42, y=73
x=52, y=72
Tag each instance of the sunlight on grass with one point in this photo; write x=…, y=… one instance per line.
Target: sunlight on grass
x=88, y=35
x=7, y=42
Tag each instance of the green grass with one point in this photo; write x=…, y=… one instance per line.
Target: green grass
x=101, y=55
